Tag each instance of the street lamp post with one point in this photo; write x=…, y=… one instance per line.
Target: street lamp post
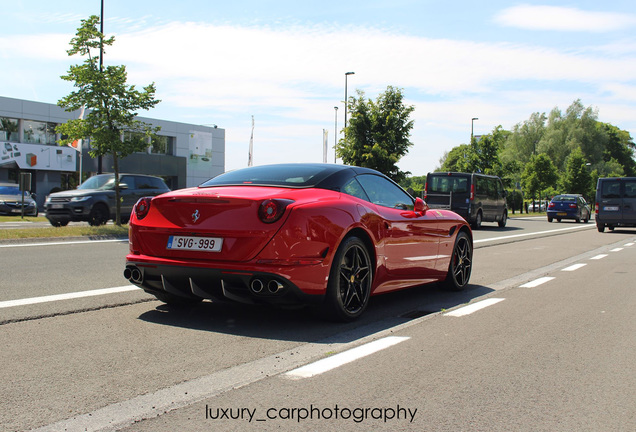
x=345, y=102
x=335, y=135
x=472, y=122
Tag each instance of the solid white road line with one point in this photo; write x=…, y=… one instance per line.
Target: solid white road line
x=537, y=282
x=467, y=310
x=574, y=267
x=67, y=296
x=345, y=357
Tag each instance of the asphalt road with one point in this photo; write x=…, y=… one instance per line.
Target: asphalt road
x=558, y=356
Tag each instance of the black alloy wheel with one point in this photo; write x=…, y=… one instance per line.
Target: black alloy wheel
x=350, y=280
x=461, y=263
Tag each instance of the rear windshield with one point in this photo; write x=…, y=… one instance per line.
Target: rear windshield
x=611, y=189
x=447, y=184
x=563, y=199
x=293, y=176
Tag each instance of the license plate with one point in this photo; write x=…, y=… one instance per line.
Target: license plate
x=562, y=214
x=57, y=206
x=204, y=244
x=610, y=208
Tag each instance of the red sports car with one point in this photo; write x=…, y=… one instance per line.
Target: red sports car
x=289, y=234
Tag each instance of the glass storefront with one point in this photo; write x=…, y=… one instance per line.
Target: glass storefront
x=9, y=129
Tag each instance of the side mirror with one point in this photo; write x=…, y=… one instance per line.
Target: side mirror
x=123, y=186
x=420, y=206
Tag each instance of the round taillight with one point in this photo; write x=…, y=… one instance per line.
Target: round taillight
x=142, y=207
x=272, y=210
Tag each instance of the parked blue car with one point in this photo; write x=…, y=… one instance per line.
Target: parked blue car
x=569, y=206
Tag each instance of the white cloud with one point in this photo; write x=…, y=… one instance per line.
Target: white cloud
x=532, y=17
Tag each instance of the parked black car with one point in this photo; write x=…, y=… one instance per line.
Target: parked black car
x=94, y=200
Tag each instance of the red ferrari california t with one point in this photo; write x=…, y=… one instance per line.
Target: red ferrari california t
x=290, y=234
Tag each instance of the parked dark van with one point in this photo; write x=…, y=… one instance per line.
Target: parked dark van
x=615, y=203
x=476, y=197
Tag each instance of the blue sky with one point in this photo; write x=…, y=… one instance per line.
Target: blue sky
x=283, y=62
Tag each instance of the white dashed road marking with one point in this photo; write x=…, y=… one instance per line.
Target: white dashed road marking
x=574, y=267
x=598, y=257
x=342, y=358
x=537, y=282
x=467, y=310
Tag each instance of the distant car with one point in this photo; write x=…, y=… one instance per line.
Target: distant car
x=536, y=207
x=569, y=206
x=615, y=203
x=94, y=200
x=11, y=201
x=294, y=234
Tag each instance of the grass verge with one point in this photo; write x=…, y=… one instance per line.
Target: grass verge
x=67, y=231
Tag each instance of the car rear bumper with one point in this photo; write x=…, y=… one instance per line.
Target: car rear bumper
x=245, y=283
x=563, y=215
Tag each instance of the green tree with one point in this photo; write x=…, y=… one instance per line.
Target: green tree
x=378, y=133
x=620, y=147
x=111, y=104
x=487, y=149
x=576, y=129
x=577, y=177
x=459, y=159
x=539, y=175
x=522, y=141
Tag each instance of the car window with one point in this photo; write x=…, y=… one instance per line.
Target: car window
x=611, y=189
x=630, y=188
x=353, y=188
x=10, y=190
x=382, y=192
x=148, y=183
x=129, y=181
x=446, y=184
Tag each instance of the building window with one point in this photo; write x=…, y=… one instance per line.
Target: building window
x=9, y=129
x=162, y=145
x=36, y=132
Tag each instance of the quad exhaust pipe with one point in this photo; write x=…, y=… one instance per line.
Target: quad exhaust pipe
x=133, y=274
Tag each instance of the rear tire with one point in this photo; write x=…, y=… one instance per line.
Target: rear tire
x=504, y=219
x=350, y=278
x=461, y=263
x=478, y=220
x=600, y=227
